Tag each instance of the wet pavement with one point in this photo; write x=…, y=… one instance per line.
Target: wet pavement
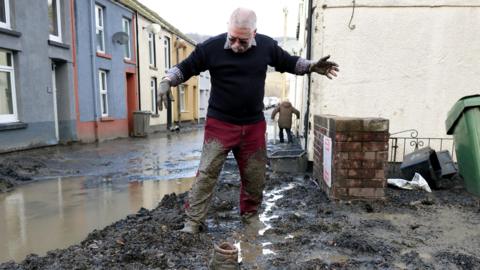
x=298, y=227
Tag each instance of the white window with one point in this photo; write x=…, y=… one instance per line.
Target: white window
x=151, y=49
x=183, y=98
x=166, y=49
x=8, y=102
x=99, y=25
x=5, y=13
x=102, y=82
x=153, y=91
x=54, y=17
x=126, y=28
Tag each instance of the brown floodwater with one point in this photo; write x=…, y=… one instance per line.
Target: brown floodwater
x=57, y=213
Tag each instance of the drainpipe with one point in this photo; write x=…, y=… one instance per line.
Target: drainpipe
x=138, y=62
x=94, y=68
x=306, y=120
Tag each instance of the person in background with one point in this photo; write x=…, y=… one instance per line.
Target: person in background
x=285, y=111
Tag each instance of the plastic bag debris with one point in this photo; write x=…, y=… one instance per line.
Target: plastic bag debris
x=418, y=182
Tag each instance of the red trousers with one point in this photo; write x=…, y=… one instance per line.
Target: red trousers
x=247, y=142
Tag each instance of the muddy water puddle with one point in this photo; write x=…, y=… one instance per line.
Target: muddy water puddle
x=246, y=241
x=57, y=213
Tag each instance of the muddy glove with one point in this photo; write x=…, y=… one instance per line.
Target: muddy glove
x=164, y=94
x=325, y=67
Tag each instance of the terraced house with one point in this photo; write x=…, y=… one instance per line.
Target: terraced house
x=161, y=46
x=37, y=103
x=106, y=69
x=69, y=71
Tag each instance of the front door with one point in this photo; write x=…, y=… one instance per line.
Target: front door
x=132, y=100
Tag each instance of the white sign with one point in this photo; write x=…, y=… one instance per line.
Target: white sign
x=327, y=160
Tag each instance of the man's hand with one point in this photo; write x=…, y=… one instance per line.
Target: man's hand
x=325, y=67
x=164, y=94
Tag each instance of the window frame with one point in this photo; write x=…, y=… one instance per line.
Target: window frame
x=183, y=97
x=57, y=38
x=10, y=118
x=152, y=55
x=103, y=91
x=7, y=23
x=166, y=51
x=128, y=46
x=100, y=27
x=153, y=92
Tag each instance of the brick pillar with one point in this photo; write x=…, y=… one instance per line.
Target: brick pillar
x=358, y=150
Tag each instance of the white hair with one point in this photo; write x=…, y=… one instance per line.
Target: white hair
x=243, y=18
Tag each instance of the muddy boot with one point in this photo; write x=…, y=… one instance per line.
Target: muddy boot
x=225, y=257
x=249, y=218
x=193, y=227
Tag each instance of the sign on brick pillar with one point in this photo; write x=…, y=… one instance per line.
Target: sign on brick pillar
x=350, y=156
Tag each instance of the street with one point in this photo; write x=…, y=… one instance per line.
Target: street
x=92, y=186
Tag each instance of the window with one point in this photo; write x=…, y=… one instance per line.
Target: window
x=99, y=25
x=166, y=43
x=183, y=98
x=151, y=49
x=8, y=104
x=153, y=90
x=102, y=82
x=54, y=19
x=5, y=13
x=126, y=28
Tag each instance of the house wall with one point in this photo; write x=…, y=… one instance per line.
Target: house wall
x=407, y=61
x=28, y=40
x=183, y=49
x=92, y=126
x=158, y=120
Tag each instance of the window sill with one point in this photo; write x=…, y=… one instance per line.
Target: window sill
x=58, y=44
x=153, y=68
x=129, y=61
x=12, y=126
x=104, y=55
x=106, y=119
x=10, y=32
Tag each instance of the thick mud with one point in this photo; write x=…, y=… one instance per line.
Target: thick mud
x=300, y=229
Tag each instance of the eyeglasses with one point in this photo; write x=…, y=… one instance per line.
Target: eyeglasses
x=242, y=41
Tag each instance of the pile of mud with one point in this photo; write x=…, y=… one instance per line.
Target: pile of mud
x=407, y=230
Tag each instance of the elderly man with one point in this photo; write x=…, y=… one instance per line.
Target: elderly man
x=237, y=62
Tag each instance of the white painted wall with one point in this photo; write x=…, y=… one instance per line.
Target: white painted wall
x=407, y=61
x=147, y=72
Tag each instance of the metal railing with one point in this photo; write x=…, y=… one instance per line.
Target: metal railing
x=400, y=146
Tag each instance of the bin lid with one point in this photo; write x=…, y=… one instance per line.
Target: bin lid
x=457, y=110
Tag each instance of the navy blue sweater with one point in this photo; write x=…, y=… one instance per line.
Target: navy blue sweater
x=238, y=79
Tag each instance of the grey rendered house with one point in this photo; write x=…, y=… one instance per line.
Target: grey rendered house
x=37, y=102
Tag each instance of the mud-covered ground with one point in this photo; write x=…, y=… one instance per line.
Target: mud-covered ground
x=300, y=228
x=304, y=230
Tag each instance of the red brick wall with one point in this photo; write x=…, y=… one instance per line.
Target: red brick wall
x=359, y=156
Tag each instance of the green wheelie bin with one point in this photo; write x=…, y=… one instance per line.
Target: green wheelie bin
x=463, y=121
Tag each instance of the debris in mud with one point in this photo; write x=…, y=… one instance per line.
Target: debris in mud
x=5, y=184
x=460, y=260
x=305, y=230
